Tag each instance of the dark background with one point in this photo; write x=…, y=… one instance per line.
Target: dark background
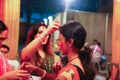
x=36, y=10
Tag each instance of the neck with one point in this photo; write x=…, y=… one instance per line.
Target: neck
x=72, y=53
x=73, y=58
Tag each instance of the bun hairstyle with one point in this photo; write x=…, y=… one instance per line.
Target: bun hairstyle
x=78, y=33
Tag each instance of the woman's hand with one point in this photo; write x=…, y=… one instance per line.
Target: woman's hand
x=28, y=66
x=17, y=74
x=55, y=25
x=57, y=67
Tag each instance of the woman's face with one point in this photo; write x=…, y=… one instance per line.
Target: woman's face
x=40, y=30
x=62, y=44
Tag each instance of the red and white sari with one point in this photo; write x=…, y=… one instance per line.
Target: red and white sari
x=4, y=65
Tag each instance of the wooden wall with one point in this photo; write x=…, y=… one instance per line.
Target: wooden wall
x=98, y=25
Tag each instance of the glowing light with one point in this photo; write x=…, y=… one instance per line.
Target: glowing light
x=45, y=21
x=50, y=18
x=68, y=0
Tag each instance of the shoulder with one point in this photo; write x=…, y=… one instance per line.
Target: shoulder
x=69, y=72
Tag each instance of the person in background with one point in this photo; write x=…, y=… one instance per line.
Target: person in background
x=97, y=55
x=13, y=63
x=71, y=39
x=6, y=72
x=37, y=53
x=103, y=58
x=96, y=51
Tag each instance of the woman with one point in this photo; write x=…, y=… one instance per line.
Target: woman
x=39, y=54
x=96, y=51
x=6, y=72
x=71, y=40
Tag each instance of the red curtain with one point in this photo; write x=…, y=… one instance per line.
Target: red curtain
x=2, y=10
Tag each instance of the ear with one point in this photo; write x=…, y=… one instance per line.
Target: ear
x=70, y=42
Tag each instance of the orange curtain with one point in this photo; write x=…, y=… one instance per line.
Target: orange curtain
x=10, y=14
x=116, y=36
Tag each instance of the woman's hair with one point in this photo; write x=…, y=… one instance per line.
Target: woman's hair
x=2, y=26
x=31, y=35
x=77, y=32
x=33, y=31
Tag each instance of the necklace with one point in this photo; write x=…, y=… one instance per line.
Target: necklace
x=72, y=59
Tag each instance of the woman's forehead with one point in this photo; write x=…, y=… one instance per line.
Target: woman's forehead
x=60, y=35
x=42, y=27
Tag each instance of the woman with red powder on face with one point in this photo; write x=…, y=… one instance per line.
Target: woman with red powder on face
x=71, y=40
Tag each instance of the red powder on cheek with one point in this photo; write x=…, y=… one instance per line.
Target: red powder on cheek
x=61, y=46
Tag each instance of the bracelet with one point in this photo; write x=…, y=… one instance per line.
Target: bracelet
x=44, y=73
x=40, y=39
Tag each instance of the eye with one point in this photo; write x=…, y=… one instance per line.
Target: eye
x=40, y=32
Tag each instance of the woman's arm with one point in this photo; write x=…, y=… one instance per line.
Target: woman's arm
x=4, y=77
x=32, y=47
x=45, y=75
x=42, y=73
x=14, y=75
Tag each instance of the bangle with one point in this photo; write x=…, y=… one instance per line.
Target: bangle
x=44, y=73
x=40, y=39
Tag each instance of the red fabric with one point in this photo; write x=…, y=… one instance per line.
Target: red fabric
x=2, y=9
x=98, y=49
x=49, y=76
x=71, y=67
x=4, y=65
